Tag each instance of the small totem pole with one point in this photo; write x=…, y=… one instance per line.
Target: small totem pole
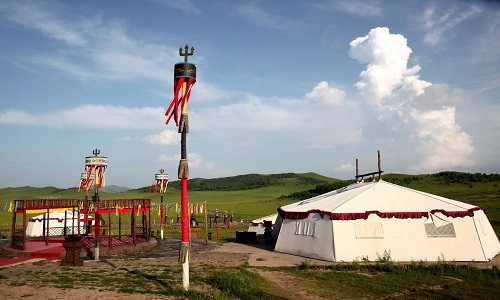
x=161, y=181
x=97, y=165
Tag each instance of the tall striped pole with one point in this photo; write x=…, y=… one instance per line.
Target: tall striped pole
x=184, y=79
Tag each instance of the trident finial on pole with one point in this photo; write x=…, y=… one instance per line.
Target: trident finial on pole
x=186, y=53
x=96, y=152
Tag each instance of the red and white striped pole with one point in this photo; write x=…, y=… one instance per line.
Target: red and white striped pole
x=184, y=79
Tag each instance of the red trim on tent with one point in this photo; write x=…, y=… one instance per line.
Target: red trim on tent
x=365, y=215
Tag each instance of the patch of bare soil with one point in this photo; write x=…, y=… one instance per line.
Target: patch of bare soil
x=284, y=280
x=452, y=280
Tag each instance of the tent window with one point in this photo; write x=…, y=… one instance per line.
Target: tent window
x=447, y=230
x=303, y=227
x=484, y=227
x=369, y=230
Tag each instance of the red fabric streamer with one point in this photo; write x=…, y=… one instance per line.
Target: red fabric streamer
x=173, y=108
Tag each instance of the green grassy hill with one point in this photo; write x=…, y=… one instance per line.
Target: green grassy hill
x=254, y=195
x=247, y=196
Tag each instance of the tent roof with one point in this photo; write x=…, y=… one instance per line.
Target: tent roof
x=359, y=200
x=266, y=218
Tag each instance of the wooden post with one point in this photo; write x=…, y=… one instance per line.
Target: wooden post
x=133, y=224
x=65, y=222
x=24, y=226
x=119, y=225
x=149, y=222
x=109, y=227
x=379, y=169
x=13, y=232
x=357, y=171
x=46, y=235
x=217, y=227
x=78, y=214
x=206, y=225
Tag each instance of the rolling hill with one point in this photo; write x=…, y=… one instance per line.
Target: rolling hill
x=254, y=195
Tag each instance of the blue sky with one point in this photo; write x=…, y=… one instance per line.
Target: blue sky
x=282, y=86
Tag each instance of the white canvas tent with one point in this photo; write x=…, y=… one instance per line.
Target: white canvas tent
x=257, y=225
x=55, y=220
x=366, y=220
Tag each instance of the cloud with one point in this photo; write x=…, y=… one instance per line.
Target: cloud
x=251, y=113
x=443, y=145
x=251, y=11
x=439, y=24
x=398, y=96
x=354, y=7
x=169, y=158
x=194, y=159
x=345, y=168
x=92, y=49
x=325, y=95
x=185, y=5
x=166, y=137
x=386, y=78
x=486, y=47
x=324, y=124
x=208, y=92
x=360, y=8
x=89, y=116
x=31, y=16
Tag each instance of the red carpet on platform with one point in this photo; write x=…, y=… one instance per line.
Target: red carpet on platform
x=55, y=251
x=38, y=249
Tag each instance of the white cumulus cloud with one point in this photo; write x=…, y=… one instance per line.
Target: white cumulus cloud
x=325, y=95
x=166, y=137
x=443, y=144
x=386, y=75
x=397, y=94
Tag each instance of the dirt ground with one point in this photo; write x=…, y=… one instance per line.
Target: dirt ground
x=164, y=254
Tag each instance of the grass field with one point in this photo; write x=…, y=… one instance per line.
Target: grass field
x=249, y=204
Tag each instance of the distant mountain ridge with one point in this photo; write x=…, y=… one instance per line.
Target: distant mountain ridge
x=252, y=181
x=114, y=189
x=249, y=181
